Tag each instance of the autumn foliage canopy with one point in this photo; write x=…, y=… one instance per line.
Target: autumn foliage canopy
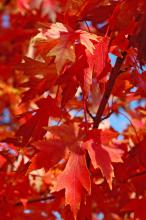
x=66, y=68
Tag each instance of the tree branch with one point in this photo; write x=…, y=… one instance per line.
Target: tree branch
x=108, y=90
x=6, y=2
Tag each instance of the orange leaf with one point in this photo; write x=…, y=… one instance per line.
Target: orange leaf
x=73, y=179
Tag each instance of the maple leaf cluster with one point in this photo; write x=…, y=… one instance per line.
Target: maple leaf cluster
x=66, y=68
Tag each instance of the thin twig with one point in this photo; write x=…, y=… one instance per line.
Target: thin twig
x=87, y=26
x=85, y=116
x=107, y=116
x=133, y=176
x=138, y=140
x=89, y=113
x=137, y=174
x=35, y=200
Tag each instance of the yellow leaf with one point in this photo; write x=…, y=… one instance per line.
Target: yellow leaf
x=63, y=52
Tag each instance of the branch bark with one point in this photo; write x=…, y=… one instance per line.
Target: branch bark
x=108, y=89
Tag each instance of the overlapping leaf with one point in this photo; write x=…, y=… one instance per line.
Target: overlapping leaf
x=64, y=51
x=102, y=156
x=34, y=127
x=49, y=153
